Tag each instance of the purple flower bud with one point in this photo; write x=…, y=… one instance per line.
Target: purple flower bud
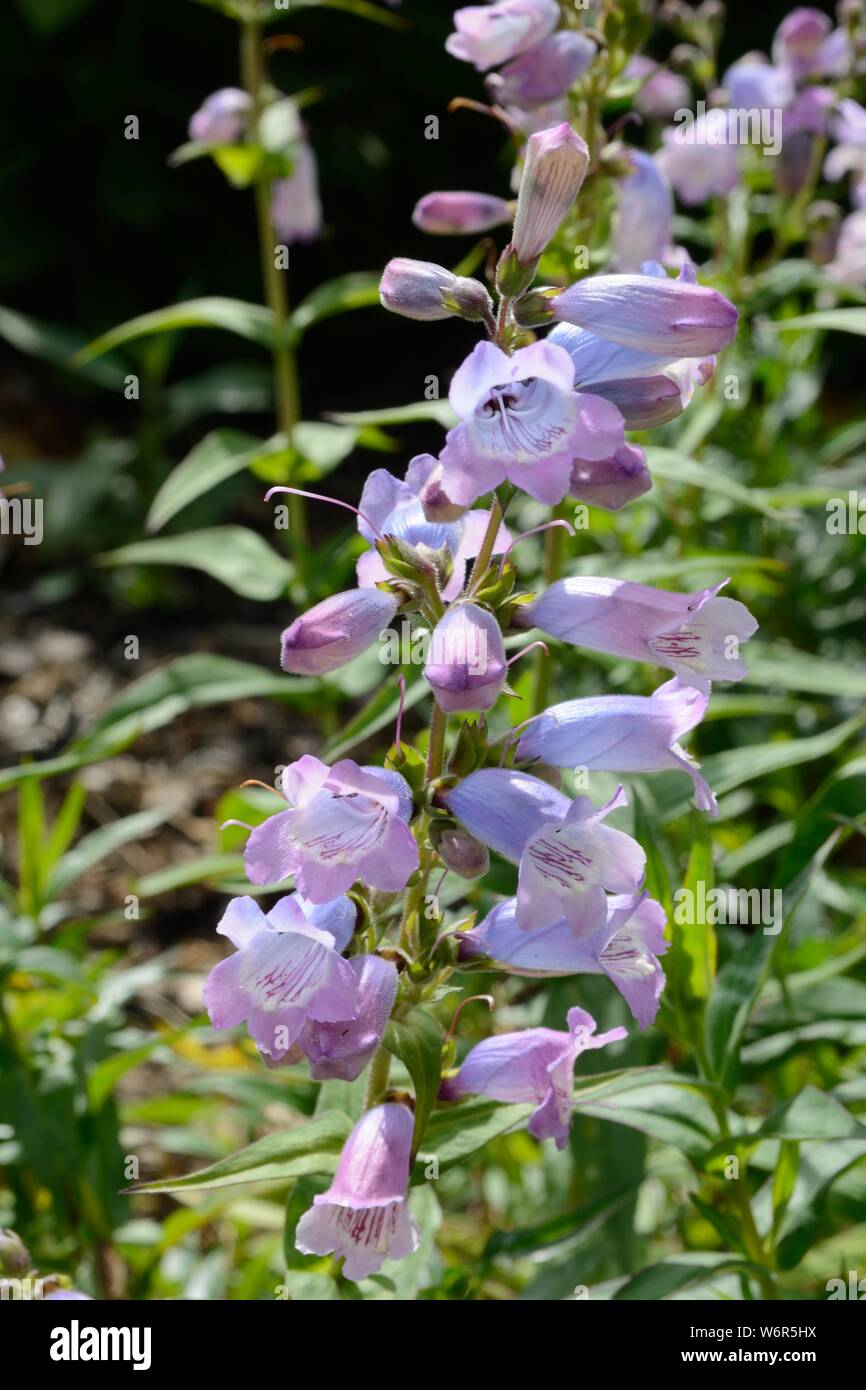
x=336, y=630
x=295, y=205
x=423, y=290
x=543, y=72
x=612, y=482
x=798, y=40
x=663, y=92
x=363, y=1216
x=463, y=854
x=490, y=34
x=535, y=1066
x=457, y=214
x=341, y=1050
x=466, y=664
x=651, y=312
x=221, y=117
x=554, y=167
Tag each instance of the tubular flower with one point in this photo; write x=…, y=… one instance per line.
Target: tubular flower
x=335, y=630
x=622, y=733
x=341, y=1049
x=346, y=822
x=490, y=34
x=466, y=665
x=696, y=635
x=363, y=1217
x=536, y=1067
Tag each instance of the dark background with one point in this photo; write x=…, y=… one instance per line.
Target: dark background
x=97, y=229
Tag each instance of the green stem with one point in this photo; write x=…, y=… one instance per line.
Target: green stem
x=436, y=746
x=484, y=555
x=553, y=554
x=377, y=1079
x=286, y=384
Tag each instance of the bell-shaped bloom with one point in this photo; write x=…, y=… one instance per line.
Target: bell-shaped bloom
x=622, y=733
x=642, y=228
x=466, y=663
x=543, y=72
x=535, y=1067
x=849, y=260
x=341, y=1049
x=699, y=160
x=287, y=968
x=661, y=93
x=754, y=84
x=697, y=635
x=296, y=208
x=221, y=118
x=625, y=949
x=651, y=312
x=363, y=1217
x=554, y=167
x=522, y=420
x=611, y=483
x=400, y=509
x=798, y=39
x=461, y=214
x=335, y=630
x=568, y=859
x=426, y=291
x=487, y=35
x=344, y=823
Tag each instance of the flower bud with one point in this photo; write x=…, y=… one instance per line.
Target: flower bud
x=221, y=118
x=14, y=1256
x=554, y=168
x=425, y=291
x=335, y=631
x=466, y=663
x=456, y=214
x=651, y=312
x=463, y=854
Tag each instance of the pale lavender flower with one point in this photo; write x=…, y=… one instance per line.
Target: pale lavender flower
x=363, y=1217
x=425, y=291
x=644, y=214
x=625, y=949
x=662, y=92
x=535, y=1067
x=568, y=859
x=622, y=733
x=697, y=635
x=612, y=482
x=798, y=41
x=698, y=159
x=554, y=167
x=544, y=72
x=460, y=214
x=849, y=156
x=651, y=313
x=287, y=968
x=487, y=35
x=521, y=420
x=849, y=261
x=341, y=1050
x=335, y=630
x=345, y=823
x=397, y=509
x=221, y=118
x=466, y=664
x=754, y=84
x=296, y=208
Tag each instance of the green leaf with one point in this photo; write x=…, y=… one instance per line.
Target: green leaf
x=845, y=320
x=323, y=445
x=679, y=1272
x=218, y=456
x=417, y=1041
x=356, y=291
x=99, y=844
x=440, y=412
x=239, y=558
x=785, y=668
x=731, y=1003
x=55, y=345
x=691, y=962
x=669, y=1108
x=569, y=1226
x=251, y=321
x=453, y=1134
x=311, y=1148
x=677, y=468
